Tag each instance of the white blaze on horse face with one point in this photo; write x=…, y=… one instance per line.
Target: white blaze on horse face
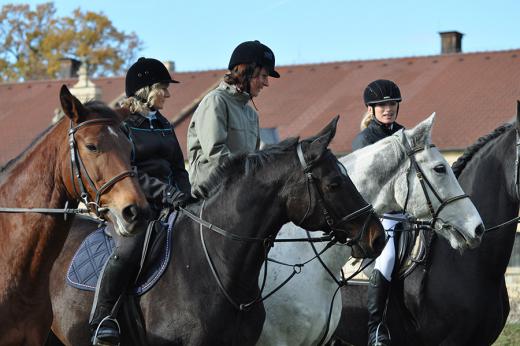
x=112, y=132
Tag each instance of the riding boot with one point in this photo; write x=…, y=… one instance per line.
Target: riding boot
x=114, y=280
x=378, y=290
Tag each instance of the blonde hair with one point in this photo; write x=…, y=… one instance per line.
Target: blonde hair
x=144, y=98
x=367, y=117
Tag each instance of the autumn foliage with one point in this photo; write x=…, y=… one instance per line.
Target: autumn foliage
x=34, y=42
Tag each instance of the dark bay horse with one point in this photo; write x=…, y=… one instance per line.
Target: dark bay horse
x=86, y=143
x=455, y=299
x=251, y=196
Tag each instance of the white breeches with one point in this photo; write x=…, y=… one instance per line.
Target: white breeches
x=386, y=260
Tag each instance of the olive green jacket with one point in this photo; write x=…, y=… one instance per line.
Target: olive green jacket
x=223, y=124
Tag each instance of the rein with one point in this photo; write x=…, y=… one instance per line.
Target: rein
x=77, y=170
x=268, y=241
x=410, y=152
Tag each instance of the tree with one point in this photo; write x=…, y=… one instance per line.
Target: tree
x=34, y=42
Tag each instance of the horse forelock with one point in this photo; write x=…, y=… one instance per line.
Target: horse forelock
x=101, y=110
x=471, y=151
x=245, y=164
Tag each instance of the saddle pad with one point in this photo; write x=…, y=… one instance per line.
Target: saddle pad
x=93, y=253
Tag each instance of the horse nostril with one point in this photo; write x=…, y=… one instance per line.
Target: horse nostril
x=479, y=231
x=131, y=213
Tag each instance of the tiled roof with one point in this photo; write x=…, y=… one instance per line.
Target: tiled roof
x=472, y=94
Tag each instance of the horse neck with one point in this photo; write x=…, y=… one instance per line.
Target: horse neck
x=375, y=170
x=488, y=179
x=32, y=241
x=258, y=212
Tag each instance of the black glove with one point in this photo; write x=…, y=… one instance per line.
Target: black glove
x=175, y=197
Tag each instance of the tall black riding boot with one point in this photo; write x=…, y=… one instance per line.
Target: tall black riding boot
x=378, y=290
x=114, y=280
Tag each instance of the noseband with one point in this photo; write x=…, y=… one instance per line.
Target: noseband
x=332, y=224
x=78, y=170
x=410, y=152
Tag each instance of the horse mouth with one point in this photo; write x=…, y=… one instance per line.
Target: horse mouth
x=458, y=239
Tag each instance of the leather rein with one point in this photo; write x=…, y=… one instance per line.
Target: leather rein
x=78, y=171
x=268, y=241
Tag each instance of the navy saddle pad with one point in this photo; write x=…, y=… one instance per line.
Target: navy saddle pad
x=93, y=253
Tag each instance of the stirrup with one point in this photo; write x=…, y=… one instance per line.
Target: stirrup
x=97, y=342
x=383, y=342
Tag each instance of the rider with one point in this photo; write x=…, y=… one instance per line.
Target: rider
x=159, y=161
x=224, y=123
x=382, y=99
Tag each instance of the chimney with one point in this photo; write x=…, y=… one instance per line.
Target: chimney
x=451, y=42
x=68, y=68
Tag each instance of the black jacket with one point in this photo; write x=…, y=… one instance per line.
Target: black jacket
x=373, y=133
x=157, y=156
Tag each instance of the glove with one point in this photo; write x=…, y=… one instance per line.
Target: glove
x=175, y=197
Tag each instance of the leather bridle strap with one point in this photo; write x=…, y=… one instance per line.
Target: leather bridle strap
x=78, y=168
x=425, y=182
x=332, y=225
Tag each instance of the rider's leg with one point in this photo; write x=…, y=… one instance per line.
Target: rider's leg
x=378, y=290
x=119, y=271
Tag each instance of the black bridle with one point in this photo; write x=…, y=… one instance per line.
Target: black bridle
x=78, y=171
x=410, y=152
x=330, y=218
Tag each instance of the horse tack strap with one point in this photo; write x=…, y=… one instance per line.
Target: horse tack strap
x=45, y=210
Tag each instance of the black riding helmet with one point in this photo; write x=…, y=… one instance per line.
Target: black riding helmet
x=145, y=72
x=381, y=90
x=254, y=52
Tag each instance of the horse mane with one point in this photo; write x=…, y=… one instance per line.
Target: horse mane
x=244, y=164
x=97, y=107
x=459, y=165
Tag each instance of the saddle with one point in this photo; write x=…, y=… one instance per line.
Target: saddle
x=411, y=248
x=89, y=259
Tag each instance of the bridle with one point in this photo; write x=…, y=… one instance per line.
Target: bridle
x=78, y=171
x=410, y=152
x=332, y=220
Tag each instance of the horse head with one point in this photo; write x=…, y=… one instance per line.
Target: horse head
x=453, y=214
x=324, y=198
x=96, y=165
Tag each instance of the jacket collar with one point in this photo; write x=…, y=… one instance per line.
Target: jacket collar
x=231, y=90
x=137, y=119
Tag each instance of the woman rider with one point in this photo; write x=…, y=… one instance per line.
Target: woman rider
x=159, y=161
x=382, y=99
x=224, y=123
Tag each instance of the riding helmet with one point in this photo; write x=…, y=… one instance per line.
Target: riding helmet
x=254, y=52
x=381, y=90
x=146, y=71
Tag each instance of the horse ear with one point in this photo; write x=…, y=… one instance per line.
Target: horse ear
x=71, y=105
x=319, y=143
x=422, y=132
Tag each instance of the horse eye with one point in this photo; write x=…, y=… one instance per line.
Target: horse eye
x=440, y=169
x=91, y=147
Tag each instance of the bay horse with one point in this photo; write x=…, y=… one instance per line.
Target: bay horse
x=298, y=313
x=460, y=300
x=209, y=294
x=84, y=156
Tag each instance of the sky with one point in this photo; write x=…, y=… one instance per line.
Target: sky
x=201, y=34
